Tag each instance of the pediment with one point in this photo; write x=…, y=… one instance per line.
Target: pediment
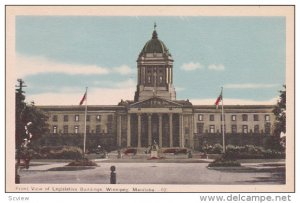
x=155, y=102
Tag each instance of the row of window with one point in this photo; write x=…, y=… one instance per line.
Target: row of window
x=245, y=129
x=77, y=118
x=233, y=117
x=76, y=129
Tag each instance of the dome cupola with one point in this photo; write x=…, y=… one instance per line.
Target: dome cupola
x=154, y=45
x=155, y=71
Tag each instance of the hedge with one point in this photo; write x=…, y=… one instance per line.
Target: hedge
x=63, y=152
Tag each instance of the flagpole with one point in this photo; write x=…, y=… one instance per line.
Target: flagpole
x=223, y=123
x=85, y=115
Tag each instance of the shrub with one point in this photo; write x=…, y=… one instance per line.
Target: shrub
x=222, y=162
x=82, y=162
x=68, y=153
x=176, y=150
x=181, y=151
x=170, y=150
x=251, y=152
x=130, y=151
x=217, y=149
x=64, y=152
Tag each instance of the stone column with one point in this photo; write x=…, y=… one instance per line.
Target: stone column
x=171, y=129
x=119, y=130
x=128, y=131
x=181, y=141
x=149, y=130
x=171, y=75
x=139, y=130
x=160, y=129
x=167, y=75
x=191, y=122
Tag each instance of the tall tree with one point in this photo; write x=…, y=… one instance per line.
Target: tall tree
x=20, y=108
x=280, y=113
x=30, y=121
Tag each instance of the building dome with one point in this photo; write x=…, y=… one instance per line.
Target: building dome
x=155, y=45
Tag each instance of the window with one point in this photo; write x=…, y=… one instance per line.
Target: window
x=160, y=79
x=245, y=129
x=212, y=129
x=233, y=117
x=245, y=117
x=267, y=117
x=54, y=118
x=98, y=117
x=222, y=128
x=76, y=118
x=87, y=129
x=211, y=117
x=66, y=118
x=200, y=117
x=54, y=129
x=109, y=118
x=76, y=129
x=109, y=128
x=200, y=127
x=268, y=128
x=98, y=130
x=65, y=129
x=233, y=129
x=88, y=117
x=186, y=130
x=255, y=117
x=256, y=129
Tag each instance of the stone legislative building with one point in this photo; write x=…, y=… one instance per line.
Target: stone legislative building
x=155, y=115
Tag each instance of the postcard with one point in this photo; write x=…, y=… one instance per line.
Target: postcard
x=150, y=99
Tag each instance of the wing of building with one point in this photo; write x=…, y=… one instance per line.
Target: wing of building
x=155, y=115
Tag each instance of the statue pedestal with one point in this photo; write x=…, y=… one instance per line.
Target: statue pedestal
x=153, y=154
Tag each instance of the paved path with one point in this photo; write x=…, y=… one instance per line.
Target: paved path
x=154, y=173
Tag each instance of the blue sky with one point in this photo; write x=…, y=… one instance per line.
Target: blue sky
x=58, y=56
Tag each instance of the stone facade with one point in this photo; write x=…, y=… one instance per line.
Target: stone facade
x=155, y=115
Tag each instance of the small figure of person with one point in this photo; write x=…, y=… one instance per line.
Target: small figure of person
x=119, y=154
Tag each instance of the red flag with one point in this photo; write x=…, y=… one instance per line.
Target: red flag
x=218, y=100
x=83, y=98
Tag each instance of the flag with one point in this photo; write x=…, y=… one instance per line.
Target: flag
x=218, y=100
x=83, y=98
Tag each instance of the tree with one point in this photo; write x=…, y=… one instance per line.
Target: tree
x=20, y=107
x=30, y=121
x=280, y=113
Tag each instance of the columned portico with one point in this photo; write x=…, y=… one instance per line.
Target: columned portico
x=153, y=127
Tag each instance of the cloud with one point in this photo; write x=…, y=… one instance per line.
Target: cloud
x=31, y=65
x=123, y=70
x=96, y=96
x=250, y=86
x=130, y=83
x=191, y=66
x=216, y=67
x=233, y=101
x=178, y=89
